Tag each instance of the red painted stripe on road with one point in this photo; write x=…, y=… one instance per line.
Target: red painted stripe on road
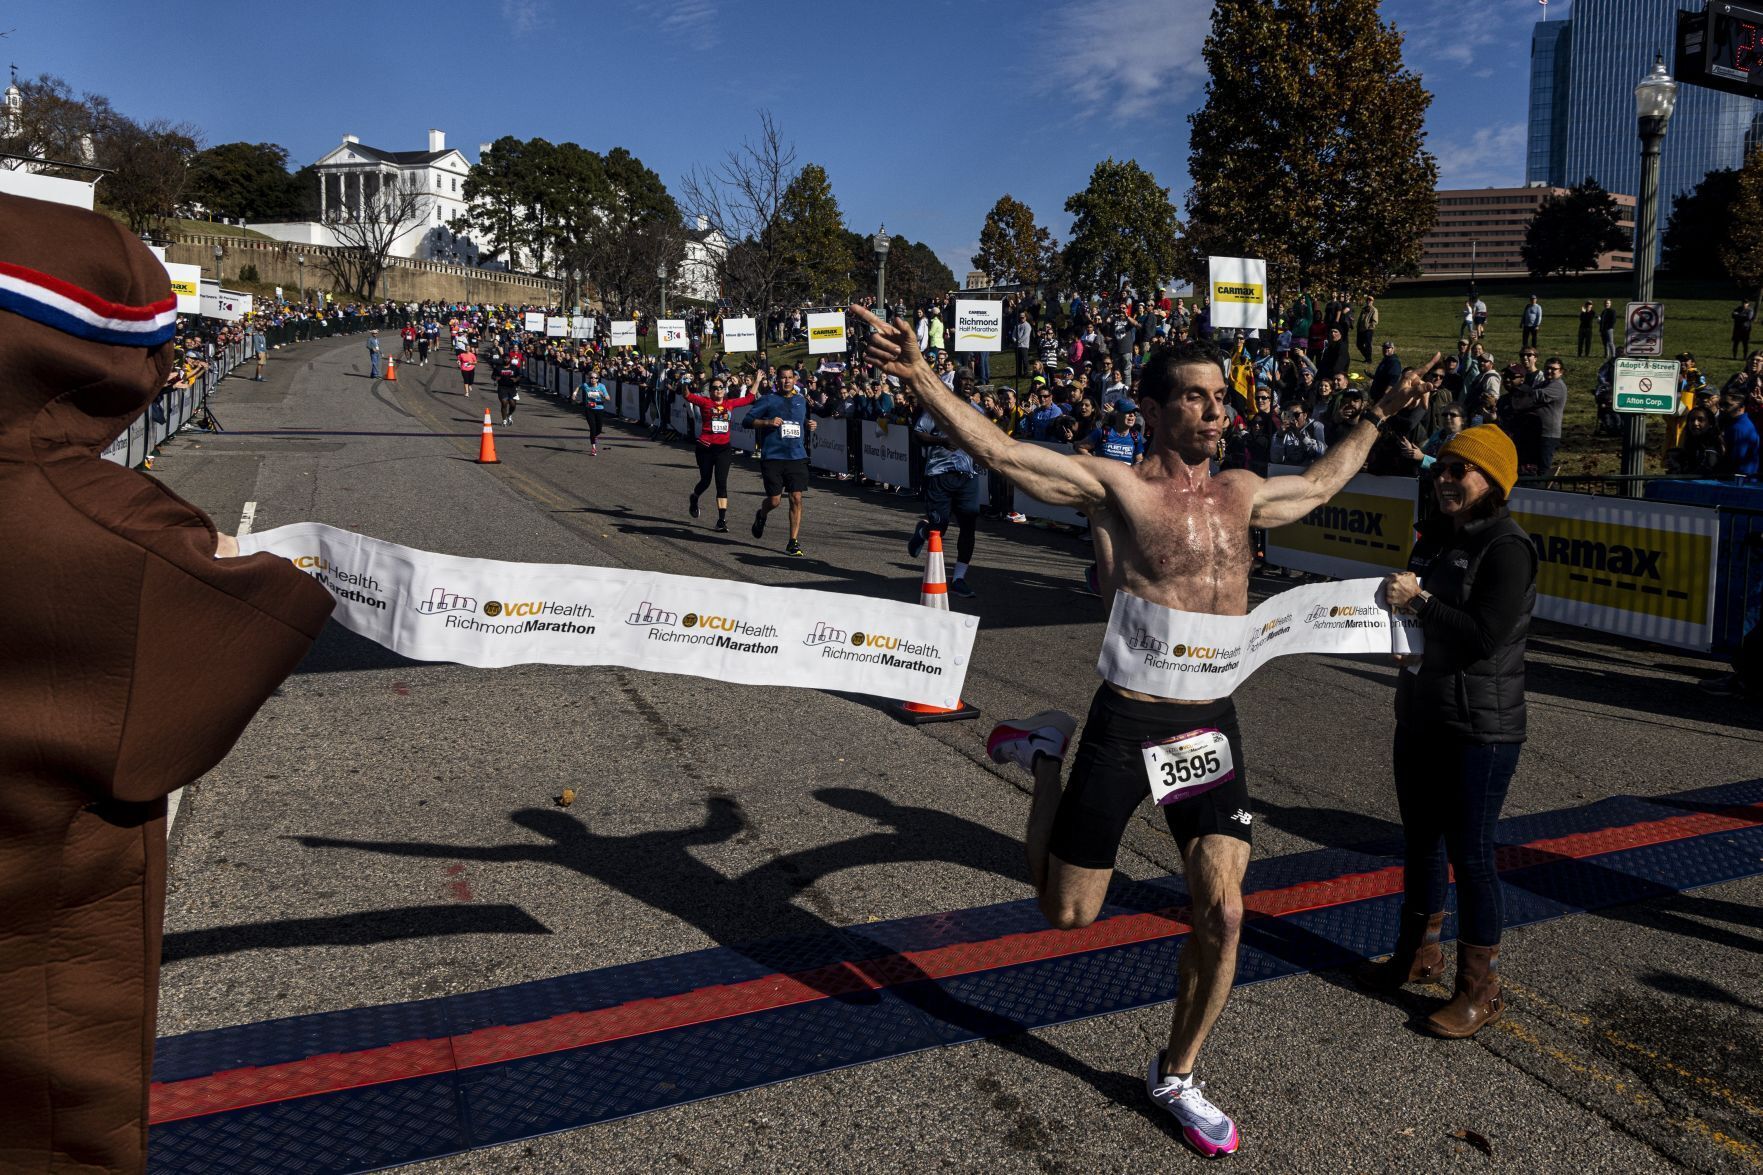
x=332, y=1072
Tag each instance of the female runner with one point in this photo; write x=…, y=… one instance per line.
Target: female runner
x=713, y=449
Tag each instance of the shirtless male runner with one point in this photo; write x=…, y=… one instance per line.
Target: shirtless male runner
x=1171, y=532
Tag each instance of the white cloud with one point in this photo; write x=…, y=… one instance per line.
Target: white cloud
x=1125, y=58
x=692, y=21
x=523, y=16
x=1493, y=156
x=1438, y=33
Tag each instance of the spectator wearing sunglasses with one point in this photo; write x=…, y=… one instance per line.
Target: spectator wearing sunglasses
x=1460, y=722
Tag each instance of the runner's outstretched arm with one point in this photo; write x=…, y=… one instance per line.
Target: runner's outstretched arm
x=1052, y=477
x=1279, y=500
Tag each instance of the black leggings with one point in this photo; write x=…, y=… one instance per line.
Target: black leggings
x=595, y=422
x=713, y=459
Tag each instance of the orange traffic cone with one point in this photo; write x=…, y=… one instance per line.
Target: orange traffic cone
x=933, y=594
x=486, y=448
x=391, y=370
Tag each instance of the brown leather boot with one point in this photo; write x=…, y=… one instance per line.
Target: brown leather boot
x=1418, y=958
x=1477, y=1001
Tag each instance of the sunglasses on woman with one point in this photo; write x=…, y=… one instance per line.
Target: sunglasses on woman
x=1454, y=470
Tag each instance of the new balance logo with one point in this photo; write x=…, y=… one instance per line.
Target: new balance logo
x=1241, y=817
x=442, y=600
x=1142, y=641
x=824, y=634
x=648, y=613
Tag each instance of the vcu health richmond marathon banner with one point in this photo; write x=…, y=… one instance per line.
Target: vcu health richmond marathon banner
x=1193, y=656
x=487, y=613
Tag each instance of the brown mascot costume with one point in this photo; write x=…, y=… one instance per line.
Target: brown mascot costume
x=131, y=658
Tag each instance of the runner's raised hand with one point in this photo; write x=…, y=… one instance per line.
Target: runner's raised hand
x=1408, y=391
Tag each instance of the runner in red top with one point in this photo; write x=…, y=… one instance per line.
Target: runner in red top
x=467, y=368
x=713, y=449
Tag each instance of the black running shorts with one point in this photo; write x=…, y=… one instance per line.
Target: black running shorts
x=782, y=476
x=1108, y=779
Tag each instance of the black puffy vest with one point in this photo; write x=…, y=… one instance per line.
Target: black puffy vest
x=1480, y=699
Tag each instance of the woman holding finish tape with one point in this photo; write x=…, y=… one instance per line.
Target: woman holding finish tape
x=1460, y=721
x=713, y=449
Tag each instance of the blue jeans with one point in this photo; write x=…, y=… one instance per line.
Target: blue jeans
x=373, y=365
x=1450, y=792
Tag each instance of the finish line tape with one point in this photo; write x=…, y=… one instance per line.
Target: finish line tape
x=1192, y=656
x=489, y=614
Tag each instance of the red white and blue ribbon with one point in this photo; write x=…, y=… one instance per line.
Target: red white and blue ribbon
x=65, y=307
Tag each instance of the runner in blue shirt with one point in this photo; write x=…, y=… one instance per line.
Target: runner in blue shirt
x=781, y=420
x=1117, y=440
x=595, y=398
x=951, y=486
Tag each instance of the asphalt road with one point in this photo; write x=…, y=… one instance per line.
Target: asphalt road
x=1633, y=1038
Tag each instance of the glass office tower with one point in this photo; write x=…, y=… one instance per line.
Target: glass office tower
x=1582, y=123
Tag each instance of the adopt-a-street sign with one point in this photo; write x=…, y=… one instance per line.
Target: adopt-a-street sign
x=1645, y=385
x=1644, y=332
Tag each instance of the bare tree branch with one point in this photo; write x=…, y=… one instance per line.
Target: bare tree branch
x=742, y=198
x=390, y=206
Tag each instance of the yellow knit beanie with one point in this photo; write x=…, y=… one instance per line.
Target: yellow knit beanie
x=1489, y=449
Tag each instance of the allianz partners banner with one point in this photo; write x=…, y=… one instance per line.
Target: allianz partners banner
x=487, y=613
x=1366, y=529
x=1636, y=568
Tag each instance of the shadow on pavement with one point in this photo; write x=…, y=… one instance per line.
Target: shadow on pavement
x=360, y=929
x=659, y=869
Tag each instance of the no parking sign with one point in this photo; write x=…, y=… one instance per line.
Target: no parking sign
x=1646, y=329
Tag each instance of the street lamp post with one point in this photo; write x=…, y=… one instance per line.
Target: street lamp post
x=218, y=254
x=661, y=272
x=1654, y=99
x=881, y=271
x=300, y=262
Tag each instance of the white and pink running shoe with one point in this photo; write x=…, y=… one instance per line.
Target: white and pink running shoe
x=1047, y=733
x=1203, y=1125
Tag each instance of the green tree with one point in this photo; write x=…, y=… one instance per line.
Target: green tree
x=1570, y=230
x=1123, y=227
x=915, y=272
x=635, y=233
x=1742, y=252
x=1309, y=149
x=492, y=196
x=811, y=237
x=1012, y=247
x=149, y=163
x=1697, y=227
x=244, y=180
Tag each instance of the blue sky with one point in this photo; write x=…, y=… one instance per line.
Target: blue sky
x=922, y=113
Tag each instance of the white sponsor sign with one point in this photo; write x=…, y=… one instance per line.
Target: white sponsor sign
x=1239, y=292
x=556, y=327
x=739, y=335
x=679, y=414
x=826, y=332
x=186, y=283
x=886, y=457
x=627, y=399
x=979, y=326
x=829, y=446
x=671, y=333
x=226, y=305
x=581, y=326
x=534, y=321
x=624, y=334
x=487, y=613
x=1193, y=656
